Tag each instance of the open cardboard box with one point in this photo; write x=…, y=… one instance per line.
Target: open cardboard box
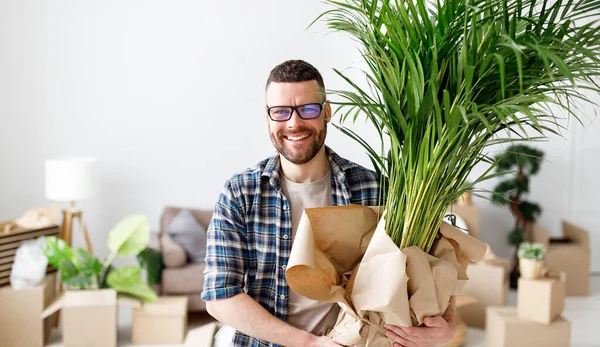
x=571, y=255
x=89, y=317
x=20, y=310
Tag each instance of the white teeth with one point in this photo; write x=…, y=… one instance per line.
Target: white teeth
x=296, y=138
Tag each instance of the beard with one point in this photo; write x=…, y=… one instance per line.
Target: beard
x=299, y=154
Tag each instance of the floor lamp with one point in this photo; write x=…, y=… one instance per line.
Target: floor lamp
x=71, y=180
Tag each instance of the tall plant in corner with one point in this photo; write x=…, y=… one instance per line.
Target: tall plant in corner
x=447, y=79
x=82, y=270
x=523, y=162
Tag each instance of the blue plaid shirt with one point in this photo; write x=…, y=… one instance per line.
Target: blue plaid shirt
x=250, y=234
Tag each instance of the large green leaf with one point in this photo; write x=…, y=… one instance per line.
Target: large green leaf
x=129, y=236
x=88, y=264
x=75, y=271
x=57, y=250
x=151, y=260
x=128, y=280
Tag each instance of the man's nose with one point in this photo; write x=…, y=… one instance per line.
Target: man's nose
x=294, y=119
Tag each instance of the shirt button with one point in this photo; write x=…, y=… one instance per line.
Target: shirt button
x=285, y=237
x=284, y=267
x=282, y=297
x=285, y=208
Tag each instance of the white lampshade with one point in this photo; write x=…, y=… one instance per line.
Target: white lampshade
x=70, y=179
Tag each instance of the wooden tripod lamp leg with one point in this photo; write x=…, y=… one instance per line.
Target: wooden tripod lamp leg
x=66, y=234
x=86, y=236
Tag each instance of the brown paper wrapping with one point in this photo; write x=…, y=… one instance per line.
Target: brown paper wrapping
x=342, y=254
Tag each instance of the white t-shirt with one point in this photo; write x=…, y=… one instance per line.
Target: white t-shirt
x=313, y=316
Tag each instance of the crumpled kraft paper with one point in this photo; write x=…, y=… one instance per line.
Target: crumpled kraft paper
x=342, y=254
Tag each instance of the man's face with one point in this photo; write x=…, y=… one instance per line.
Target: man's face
x=297, y=140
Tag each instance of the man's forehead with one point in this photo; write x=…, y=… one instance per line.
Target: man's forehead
x=310, y=86
x=293, y=90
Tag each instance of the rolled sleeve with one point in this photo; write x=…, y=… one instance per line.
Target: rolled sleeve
x=226, y=249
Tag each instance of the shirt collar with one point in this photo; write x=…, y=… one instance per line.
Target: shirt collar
x=338, y=167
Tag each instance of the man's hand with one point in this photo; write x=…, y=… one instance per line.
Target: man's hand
x=437, y=330
x=323, y=341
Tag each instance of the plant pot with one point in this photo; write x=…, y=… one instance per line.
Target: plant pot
x=530, y=268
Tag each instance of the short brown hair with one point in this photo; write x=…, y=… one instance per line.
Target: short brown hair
x=295, y=71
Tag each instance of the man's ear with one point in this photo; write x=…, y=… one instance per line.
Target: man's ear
x=327, y=111
x=266, y=114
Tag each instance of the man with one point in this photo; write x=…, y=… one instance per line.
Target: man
x=255, y=218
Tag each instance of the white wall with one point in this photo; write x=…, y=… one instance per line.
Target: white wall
x=169, y=96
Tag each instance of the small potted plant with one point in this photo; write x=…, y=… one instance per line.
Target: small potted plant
x=82, y=270
x=531, y=259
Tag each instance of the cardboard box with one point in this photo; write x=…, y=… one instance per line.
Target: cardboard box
x=571, y=255
x=161, y=322
x=488, y=282
x=541, y=300
x=505, y=329
x=20, y=310
x=203, y=335
x=89, y=317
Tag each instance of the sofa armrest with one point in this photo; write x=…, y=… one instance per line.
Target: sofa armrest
x=173, y=255
x=154, y=241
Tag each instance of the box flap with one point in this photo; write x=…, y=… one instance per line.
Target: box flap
x=100, y=297
x=576, y=233
x=167, y=306
x=128, y=300
x=54, y=306
x=552, y=275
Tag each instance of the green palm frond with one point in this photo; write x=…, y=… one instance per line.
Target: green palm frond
x=448, y=79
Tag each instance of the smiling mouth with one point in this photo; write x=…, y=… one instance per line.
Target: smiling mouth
x=296, y=138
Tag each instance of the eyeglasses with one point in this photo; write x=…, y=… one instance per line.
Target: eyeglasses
x=284, y=113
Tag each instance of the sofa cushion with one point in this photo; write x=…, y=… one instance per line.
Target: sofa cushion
x=183, y=280
x=187, y=232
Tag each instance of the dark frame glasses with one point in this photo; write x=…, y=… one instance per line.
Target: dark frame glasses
x=305, y=111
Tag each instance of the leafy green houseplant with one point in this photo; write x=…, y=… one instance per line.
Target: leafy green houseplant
x=448, y=79
x=531, y=259
x=81, y=270
x=524, y=161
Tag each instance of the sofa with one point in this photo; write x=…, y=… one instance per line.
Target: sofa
x=570, y=254
x=179, y=276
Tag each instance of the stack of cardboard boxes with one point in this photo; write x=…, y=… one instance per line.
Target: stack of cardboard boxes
x=537, y=320
x=88, y=317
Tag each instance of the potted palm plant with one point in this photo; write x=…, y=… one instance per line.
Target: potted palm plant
x=447, y=79
x=531, y=259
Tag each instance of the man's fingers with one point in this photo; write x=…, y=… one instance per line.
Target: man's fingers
x=399, y=340
x=449, y=315
x=437, y=322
